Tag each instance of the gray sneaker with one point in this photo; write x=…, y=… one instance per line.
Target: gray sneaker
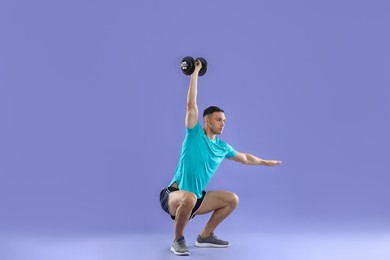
x=179, y=247
x=211, y=241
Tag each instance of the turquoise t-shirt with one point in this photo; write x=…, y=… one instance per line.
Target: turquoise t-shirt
x=199, y=159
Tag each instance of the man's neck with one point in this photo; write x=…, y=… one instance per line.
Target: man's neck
x=210, y=135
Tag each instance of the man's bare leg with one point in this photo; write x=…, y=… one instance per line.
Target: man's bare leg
x=181, y=204
x=223, y=203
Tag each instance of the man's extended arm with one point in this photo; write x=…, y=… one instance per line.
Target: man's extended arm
x=249, y=159
x=192, y=107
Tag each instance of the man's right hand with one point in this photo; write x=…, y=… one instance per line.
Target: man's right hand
x=198, y=66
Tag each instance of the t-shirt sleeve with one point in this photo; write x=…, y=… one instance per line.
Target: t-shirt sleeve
x=231, y=152
x=195, y=129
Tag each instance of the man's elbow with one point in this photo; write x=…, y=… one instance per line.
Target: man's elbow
x=191, y=106
x=244, y=160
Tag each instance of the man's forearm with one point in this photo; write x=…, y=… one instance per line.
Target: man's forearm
x=192, y=90
x=253, y=160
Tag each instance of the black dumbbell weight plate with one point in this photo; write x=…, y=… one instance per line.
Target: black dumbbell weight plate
x=187, y=65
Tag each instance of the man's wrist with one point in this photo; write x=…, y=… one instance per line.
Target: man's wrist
x=263, y=162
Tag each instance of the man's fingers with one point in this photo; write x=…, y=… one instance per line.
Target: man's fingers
x=198, y=64
x=274, y=162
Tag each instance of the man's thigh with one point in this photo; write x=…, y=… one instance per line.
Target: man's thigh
x=216, y=199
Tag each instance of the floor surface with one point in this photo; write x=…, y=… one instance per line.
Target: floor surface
x=277, y=246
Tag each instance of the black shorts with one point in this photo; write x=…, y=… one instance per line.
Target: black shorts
x=164, y=196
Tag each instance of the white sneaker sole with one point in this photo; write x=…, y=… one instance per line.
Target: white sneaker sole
x=210, y=245
x=177, y=253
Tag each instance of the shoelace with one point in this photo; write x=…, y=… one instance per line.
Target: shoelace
x=181, y=242
x=215, y=237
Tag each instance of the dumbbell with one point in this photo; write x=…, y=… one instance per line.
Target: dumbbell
x=187, y=65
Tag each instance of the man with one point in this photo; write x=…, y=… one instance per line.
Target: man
x=201, y=154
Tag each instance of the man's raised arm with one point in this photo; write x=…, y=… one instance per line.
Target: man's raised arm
x=192, y=106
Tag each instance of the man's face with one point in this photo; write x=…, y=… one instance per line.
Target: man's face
x=216, y=122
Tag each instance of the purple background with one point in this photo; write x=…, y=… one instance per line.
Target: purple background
x=92, y=106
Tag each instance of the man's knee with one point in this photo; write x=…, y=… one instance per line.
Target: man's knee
x=182, y=200
x=188, y=200
x=233, y=200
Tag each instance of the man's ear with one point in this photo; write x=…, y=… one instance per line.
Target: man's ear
x=207, y=120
